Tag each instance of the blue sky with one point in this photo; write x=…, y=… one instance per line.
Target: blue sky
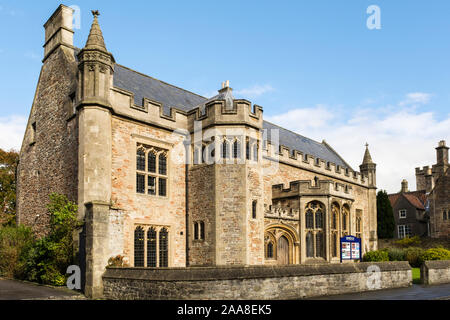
x=314, y=66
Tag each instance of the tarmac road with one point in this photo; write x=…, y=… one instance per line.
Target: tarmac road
x=18, y=290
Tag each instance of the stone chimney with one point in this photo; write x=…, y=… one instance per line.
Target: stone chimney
x=59, y=31
x=429, y=179
x=442, y=153
x=404, y=186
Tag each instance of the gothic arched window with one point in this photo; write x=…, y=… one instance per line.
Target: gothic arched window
x=319, y=219
x=139, y=247
x=236, y=149
x=334, y=244
x=319, y=244
x=163, y=248
x=309, y=219
x=140, y=160
x=162, y=164
x=247, y=150
x=151, y=162
x=255, y=151
x=225, y=154
x=309, y=245
x=269, y=253
x=151, y=248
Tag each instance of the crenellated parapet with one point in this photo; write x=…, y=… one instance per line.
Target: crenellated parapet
x=312, y=188
x=303, y=160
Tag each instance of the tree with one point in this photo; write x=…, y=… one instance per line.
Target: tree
x=385, y=216
x=8, y=165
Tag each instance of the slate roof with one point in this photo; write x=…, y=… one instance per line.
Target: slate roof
x=147, y=87
x=294, y=141
x=171, y=96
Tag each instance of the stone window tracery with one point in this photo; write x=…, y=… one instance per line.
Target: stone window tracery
x=315, y=217
x=152, y=171
x=151, y=246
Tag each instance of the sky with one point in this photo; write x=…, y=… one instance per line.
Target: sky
x=314, y=66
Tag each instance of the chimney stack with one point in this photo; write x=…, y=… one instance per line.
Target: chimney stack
x=442, y=153
x=59, y=31
x=405, y=186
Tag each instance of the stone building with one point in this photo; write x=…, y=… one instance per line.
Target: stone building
x=435, y=182
x=410, y=212
x=168, y=178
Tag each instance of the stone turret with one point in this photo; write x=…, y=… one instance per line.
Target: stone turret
x=368, y=168
x=95, y=74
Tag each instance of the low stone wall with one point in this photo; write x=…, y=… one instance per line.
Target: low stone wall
x=253, y=283
x=435, y=272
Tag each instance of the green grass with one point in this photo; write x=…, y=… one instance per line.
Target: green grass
x=416, y=275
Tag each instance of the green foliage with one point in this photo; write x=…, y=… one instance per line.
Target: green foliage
x=412, y=255
x=416, y=275
x=376, y=256
x=409, y=241
x=46, y=261
x=434, y=254
x=13, y=242
x=8, y=165
x=396, y=254
x=385, y=216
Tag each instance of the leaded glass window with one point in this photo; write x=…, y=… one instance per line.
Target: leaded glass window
x=247, y=150
x=140, y=160
x=151, y=248
x=236, y=149
x=151, y=162
x=162, y=164
x=269, y=253
x=309, y=245
x=225, y=149
x=140, y=183
x=162, y=187
x=163, y=248
x=309, y=219
x=139, y=247
x=319, y=218
x=319, y=244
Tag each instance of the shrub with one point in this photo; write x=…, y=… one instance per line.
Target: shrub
x=48, y=258
x=376, y=256
x=412, y=255
x=406, y=242
x=14, y=241
x=396, y=254
x=435, y=254
x=117, y=261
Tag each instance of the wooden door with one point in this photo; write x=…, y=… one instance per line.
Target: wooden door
x=283, y=250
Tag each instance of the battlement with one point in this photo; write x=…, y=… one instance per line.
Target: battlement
x=278, y=211
x=310, y=188
x=227, y=112
x=303, y=160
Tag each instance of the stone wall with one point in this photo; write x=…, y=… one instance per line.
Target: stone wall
x=440, y=201
x=435, y=272
x=255, y=282
x=49, y=153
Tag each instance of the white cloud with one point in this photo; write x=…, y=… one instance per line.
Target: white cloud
x=416, y=98
x=399, y=140
x=12, y=129
x=254, y=91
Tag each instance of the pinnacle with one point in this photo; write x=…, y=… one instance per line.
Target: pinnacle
x=95, y=39
x=367, y=157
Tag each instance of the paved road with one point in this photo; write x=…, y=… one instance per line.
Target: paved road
x=17, y=290
x=416, y=292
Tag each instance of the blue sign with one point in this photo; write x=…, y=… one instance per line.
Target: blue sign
x=350, y=248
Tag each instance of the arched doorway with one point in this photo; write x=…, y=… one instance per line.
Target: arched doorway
x=283, y=251
x=281, y=245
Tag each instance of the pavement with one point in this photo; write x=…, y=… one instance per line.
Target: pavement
x=415, y=292
x=22, y=290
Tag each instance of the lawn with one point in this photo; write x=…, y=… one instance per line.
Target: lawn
x=416, y=275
